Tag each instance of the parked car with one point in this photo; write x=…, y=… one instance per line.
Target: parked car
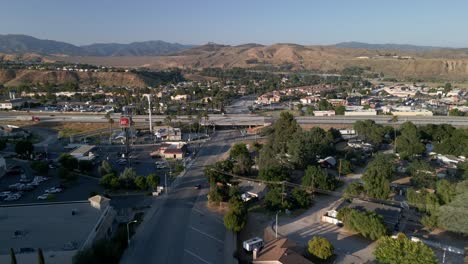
x=13, y=197
x=43, y=197
x=54, y=190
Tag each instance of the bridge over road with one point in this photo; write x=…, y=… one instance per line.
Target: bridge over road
x=242, y=119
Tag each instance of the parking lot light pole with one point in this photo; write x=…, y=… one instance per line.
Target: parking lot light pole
x=165, y=182
x=128, y=231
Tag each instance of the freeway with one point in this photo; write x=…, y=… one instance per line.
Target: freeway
x=179, y=228
x=242, y=119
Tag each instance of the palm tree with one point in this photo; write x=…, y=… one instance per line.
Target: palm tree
x=168, y=120
x=199, y=118
x=206, y=117
x=189, y=117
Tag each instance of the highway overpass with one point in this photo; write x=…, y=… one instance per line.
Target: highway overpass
x=239, y=119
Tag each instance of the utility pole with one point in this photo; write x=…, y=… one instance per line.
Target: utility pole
x=128, y=231
x=276, y=224
x=339, y=171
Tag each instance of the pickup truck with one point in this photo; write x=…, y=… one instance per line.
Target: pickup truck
x=28, y=118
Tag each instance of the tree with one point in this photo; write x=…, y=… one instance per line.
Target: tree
x=24, y=148
x=127, y=178
x=445, y=191
x=370, y=131
x=68, y=161
x=85, y=166
x=377, y=177
x=354, y=189
x=422, y=174
x=106, y=180
x=456, y=112
x=284, y=127
x=403, y=250
x=241, y=156
x=317, y=178
x=12, y=256
x=345, y=167
x=3, y=144
x=105, y=168
x=320, y=247
x=453, y=215
x=115, y=183
x=273, y=174
x=300, y=198
x=409, y=142
x=324, y=105
x=274, y=200
x=152, y=180
x=40, y=256
x=40, y=166
x=140, y=182
x=66, y=174
x=368, y=224
x=236, y=218
x=340, y=110
x=304, y=147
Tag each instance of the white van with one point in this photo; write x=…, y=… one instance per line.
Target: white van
x=253, y=243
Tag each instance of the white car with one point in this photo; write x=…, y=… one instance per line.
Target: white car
x=12, y=197
x=54, y=190
x=43, y=197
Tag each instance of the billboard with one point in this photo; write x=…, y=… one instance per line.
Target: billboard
x=124, y=122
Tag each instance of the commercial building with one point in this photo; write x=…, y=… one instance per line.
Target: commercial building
x=337, y=102
x=59, y=229
x=324, y=113
x=173, y=150
x=83, y=152
x=362, y=112
x=168, y=134
x=416, y=112
x=12, y=103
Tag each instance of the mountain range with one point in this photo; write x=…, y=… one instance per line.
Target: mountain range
x=26, y=44
x=389, y=46
x=404, y=62
x=14, y=43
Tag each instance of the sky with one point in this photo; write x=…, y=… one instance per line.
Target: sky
x=308, y=22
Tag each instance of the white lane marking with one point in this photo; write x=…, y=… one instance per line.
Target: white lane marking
x=208, y=235
x=196, y=256
x=210, y=216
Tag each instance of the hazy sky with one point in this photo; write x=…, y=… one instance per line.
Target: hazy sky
x=423, y=22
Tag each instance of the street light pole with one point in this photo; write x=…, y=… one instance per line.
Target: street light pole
x=128, y=231
x=276, y=224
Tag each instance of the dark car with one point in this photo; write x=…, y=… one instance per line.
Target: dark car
x=198, y=186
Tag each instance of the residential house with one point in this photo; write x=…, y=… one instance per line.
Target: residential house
x=280, y=251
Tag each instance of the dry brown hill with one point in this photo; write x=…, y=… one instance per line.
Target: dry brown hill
x=18, y=77
x=441, y=64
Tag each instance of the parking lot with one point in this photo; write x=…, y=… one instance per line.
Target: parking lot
x=72, y=191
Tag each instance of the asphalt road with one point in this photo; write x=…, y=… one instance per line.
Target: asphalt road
x=179, y=228
x=242, y=119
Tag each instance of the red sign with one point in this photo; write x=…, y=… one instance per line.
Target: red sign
x=124, y=122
